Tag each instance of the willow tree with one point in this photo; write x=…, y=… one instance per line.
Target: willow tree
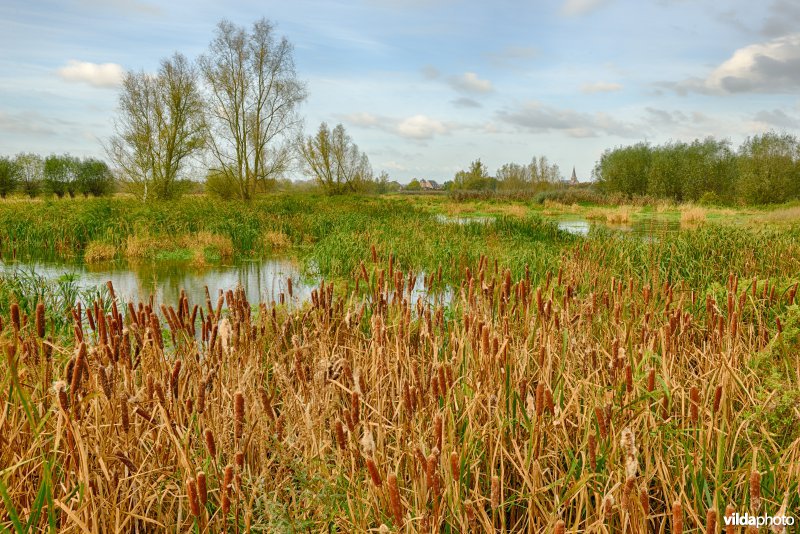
x=334, y=160
x=253, y=94
x=159, y=127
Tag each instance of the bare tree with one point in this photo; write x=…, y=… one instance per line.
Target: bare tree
x=253, y=94
x=334, y=160
x=160, y=126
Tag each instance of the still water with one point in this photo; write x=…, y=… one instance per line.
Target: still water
x=262, y=280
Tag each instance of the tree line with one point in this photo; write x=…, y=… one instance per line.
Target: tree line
x=764, y=169
x=233, y=115
x=60, y=175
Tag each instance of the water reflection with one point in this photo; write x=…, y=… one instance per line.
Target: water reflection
x=645, y=228
x=262, y=280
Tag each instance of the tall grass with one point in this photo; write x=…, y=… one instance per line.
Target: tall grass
x=581, y=402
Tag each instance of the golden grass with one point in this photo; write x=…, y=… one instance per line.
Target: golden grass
x=277, y=240
x=600, y=402
x=788, y=215
x=198, y=245
x=97, y=252
x=691, y=215
x=615, y=215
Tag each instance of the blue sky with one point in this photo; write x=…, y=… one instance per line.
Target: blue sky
x=426, y=86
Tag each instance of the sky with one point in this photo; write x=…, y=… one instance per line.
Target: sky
x=424, y=87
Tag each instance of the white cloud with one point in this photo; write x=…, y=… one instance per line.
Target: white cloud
x=573, y=8
x=420, y=127
x=102, y=75
x=600, y=87
x=770, y=67
x=417, y=127
x=469, y=82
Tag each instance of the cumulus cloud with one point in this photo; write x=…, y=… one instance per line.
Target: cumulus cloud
x=417, y=127
x=470, y=82
x=600, y=87
x=102, y=75
x=538, y=118
x=770, y=67
x=573, y=8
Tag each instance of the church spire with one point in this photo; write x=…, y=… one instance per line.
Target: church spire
x=574, y=178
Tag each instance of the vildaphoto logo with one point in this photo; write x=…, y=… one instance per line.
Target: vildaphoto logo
x=747, y=520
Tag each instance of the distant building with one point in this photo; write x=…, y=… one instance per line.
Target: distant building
x=573, y=180
x=429, y=185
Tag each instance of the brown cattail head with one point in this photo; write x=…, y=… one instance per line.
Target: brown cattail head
x=202, y=488
x=717, y=398
x=495, y=496
x=123, y=404
x=711, y=521
x=755, y=491
x=454, y=467
x=394, y=500
x=373, y=472
x=40, y=322
x=651, y=380
x=644, y=500
x=677, y=518
x=338, y=431
x=730, y=527
x=560, y=527
x=437, y=431
x=694, y=404
x=211, y=445
x=15, y=322
x=238, y=414
x=593, y=452
x=191, y=491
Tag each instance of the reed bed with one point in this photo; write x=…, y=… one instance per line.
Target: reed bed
x=581, y=402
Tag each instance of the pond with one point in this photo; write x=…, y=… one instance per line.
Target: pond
x=643, y=228
x=263, y=280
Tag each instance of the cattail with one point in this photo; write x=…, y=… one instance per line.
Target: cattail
x=592, y=452
x=226, y=489
x=437, y=431
x=711, y=521
x=694, y=398
x=677, y=518
x=211, y=445
x=651, y=380
x=61, y=393
x=15, y=322
x=238, y=414
x=202, y=488
x=539, y=399
x=123, y=404
x=644, y=500
x=239, y=460
x=608, y=506
x=40, y=323
x=755, y=491
x=729, y=526
x=174, y=378
x=601, y=422
x=191, y=491
x=560, y=527
x=495, y=492
x=394, y=499
x=339, y=433
x=717, y=398
x=629, y=378
x=373, y=472
x=454, y=466
x=201, y=397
